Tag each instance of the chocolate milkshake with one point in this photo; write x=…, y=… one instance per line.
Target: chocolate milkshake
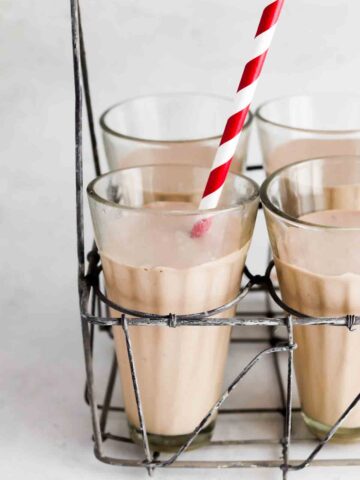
x=315, y=285
x=177, y=153
x=300, y=127
x=312, y=211
x=169, y=128
x=152, y=264
x=302, y=149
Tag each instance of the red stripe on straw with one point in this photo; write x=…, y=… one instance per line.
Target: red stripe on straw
x=217, y=178
x=234, y=125
x=236, y=121
x=252, y=71
x=269, y=17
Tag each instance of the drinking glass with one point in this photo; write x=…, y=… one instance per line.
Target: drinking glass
x=312, y=210
x=152, y=264
x=299, y=127
x=169, y=128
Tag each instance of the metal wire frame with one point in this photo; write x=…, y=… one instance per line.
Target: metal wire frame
x=90, y=293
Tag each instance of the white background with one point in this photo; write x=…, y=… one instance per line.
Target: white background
x=134, y=47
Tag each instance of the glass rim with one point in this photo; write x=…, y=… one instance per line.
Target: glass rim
x=269, y=205
x=116, y=133
x=260, y=116
x=255, y=195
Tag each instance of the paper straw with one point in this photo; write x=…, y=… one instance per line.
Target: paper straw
x=235, y=122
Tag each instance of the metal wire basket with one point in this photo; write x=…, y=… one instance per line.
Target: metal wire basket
x=94, y=308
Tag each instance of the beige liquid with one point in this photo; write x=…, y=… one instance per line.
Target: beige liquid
x=303, y=149
x=316, y=282
x=180, y=371
x=178, y=153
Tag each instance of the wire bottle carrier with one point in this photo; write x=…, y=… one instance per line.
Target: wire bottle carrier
x=94, y=307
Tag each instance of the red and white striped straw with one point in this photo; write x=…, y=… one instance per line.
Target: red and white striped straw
x=243, y=98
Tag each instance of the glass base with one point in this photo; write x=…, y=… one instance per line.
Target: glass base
x=171, y=443
x=342, y=435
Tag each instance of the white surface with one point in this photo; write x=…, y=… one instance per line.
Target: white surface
x=133, y=48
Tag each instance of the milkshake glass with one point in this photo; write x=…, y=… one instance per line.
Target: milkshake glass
x=299, y=127
x=152, y=264
x=169, y=128
x=312, y=210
